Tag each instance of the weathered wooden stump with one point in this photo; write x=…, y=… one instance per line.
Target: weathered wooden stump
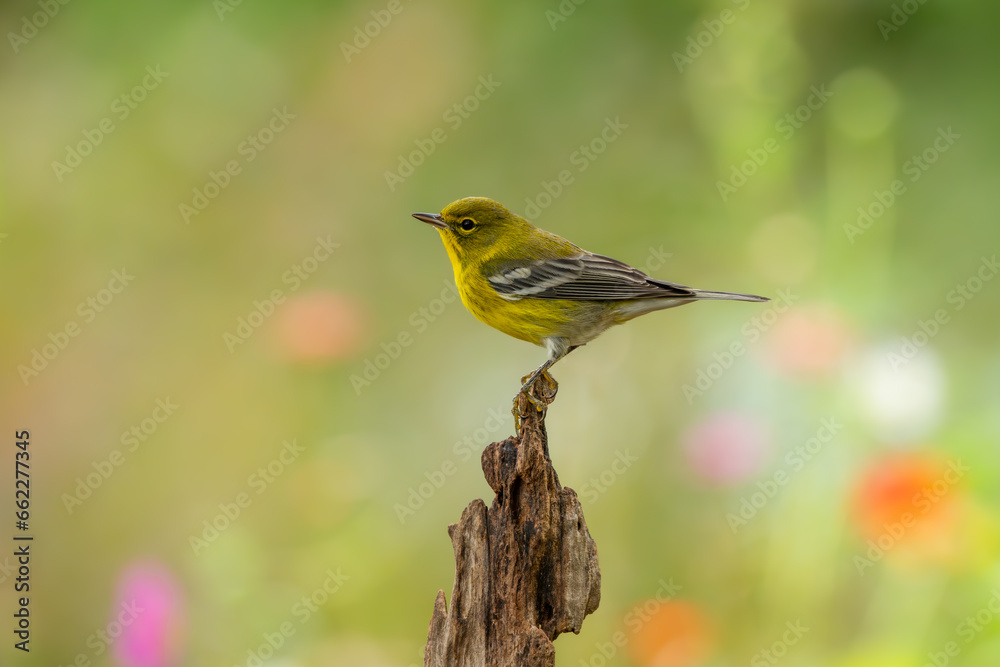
x=526, y=569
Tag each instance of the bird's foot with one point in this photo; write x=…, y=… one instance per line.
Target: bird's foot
x=538, y=389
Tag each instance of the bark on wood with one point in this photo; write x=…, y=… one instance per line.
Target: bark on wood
x=526, y=569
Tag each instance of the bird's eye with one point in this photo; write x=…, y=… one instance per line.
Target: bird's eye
x=468, y=224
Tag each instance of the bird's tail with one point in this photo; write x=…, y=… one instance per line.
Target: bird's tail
x=727, y=296
x=630, y=309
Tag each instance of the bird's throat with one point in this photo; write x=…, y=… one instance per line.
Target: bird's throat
x=453, y=252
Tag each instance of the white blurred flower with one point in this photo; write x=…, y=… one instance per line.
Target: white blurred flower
x=902, y=402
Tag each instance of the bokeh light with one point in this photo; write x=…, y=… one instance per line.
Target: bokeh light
x=811, y=342
x=904, y=402
x=912, y=505
x=152, y=612
x=254, y=166
x=677, y=634
x=320, y=327
x=727, y=447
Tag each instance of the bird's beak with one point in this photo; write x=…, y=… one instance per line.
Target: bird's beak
x=431, y=219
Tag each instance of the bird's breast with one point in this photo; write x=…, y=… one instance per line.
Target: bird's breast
x=529, y=319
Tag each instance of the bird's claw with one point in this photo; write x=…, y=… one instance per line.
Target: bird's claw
x=548, y=391
x=538, y=394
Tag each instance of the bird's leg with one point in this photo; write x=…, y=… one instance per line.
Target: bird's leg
x=541, y=370
x=526, y=389
x=557, y=350
x=528, y=382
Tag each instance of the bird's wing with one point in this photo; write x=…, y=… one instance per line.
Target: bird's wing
x=582, y=277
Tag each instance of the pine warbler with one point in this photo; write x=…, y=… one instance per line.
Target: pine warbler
x=539, y=287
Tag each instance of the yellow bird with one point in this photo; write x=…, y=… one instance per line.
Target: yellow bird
x=539, y=287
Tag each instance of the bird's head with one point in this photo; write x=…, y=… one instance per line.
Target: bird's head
x=470, y=226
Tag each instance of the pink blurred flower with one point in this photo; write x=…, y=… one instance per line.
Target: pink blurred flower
x=150, y=612
x=320, y=327
x=727, y=447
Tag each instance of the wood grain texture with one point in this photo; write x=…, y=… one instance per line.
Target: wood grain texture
x=526, y=569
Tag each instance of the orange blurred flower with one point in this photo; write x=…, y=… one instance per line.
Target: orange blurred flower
x=319, y=327
x=810, y=341
x=911, y=500
x=677, y=634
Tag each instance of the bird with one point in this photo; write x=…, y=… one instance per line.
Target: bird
x=543, y=289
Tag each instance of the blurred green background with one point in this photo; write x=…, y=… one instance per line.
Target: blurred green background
x=255, y=404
